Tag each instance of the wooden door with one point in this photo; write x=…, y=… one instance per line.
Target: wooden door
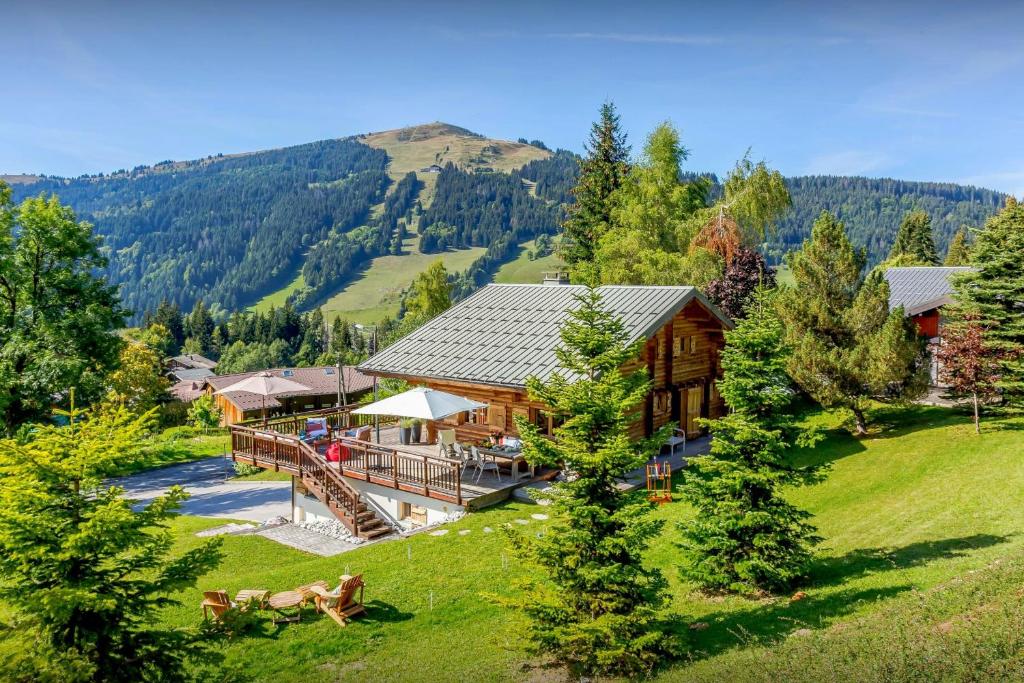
x=694, y=404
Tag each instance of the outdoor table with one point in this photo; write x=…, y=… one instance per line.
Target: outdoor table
x=514, y=458
x=244, y=596
x=279, y=602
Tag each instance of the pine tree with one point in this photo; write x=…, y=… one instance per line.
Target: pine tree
x=914, y=244
x=995, y=292
x=83, y=572
x=602, y=172
x=848, y=347
x=959, y=252
x=746, y=537
x=596, y=609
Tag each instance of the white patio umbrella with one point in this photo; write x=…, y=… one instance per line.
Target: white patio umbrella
x=264, y=384
x=421, y=402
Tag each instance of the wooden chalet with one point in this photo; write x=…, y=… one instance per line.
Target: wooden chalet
x=486, y=346
x=922, y=292
x=325, y=386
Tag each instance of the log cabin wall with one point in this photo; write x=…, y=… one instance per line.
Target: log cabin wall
x=682, y=359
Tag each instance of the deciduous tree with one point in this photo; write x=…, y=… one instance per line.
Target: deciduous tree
x=966, y=363
x=595, y=607
x=430, y=293
x=57, y=317
x=848, y=347
x=138, y=382
x=746, y=536
x=733, y=290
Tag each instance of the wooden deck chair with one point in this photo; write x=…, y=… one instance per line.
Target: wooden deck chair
x=342, y=603
x=216, y=602
x=446, y=442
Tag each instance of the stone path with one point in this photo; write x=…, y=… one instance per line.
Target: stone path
x=308, y=541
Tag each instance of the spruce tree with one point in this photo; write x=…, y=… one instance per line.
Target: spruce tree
x=914, y=244
x=994, y=291
x=746, y=537
x=848, y=347
x=83, y=572
x=959, y=252
x=596, y=608
x=602, y=172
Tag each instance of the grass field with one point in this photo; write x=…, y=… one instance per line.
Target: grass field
x=524, y=271
x=375, y=294
x=921, y=524
x=277, y=299
x=182, y=444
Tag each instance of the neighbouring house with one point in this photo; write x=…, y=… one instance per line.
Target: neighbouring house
x=325, y=387
x=189, y=361
x=187, y=383
x=923, y=291
x=486, y=346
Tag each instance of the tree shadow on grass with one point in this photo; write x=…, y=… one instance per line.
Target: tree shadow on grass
x=378, y=611
x=829, y=571
x=771, y=621
x=890, y=422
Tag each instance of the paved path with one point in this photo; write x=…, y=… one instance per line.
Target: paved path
x=212, y=494
x=309, y=541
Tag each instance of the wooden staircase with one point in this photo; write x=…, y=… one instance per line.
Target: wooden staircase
x=286, y=453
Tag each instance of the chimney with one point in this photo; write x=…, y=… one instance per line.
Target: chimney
x=556, y=277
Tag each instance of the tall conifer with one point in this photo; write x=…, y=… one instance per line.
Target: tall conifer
x=994, y=292
x=914, y=242
x=602, y=172
x=746, y=537
x=596, y=607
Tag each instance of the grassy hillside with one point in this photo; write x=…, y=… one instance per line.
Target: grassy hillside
x=416, y=147
x=922, y=557
x=375, y=294
x=523, y=270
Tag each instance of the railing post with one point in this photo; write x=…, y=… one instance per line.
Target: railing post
x=458, y=484
x=426, y=491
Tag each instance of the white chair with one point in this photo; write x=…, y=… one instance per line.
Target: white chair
x=445, y=442
x=463, y=455
x=482, y=465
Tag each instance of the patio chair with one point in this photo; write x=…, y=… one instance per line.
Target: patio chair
x=341, y=603
x=482, y=465
x=462, y=454
x=216, y=602
x=446, y=442
x=308, y=591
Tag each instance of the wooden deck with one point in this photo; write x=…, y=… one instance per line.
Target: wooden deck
x=413, y=468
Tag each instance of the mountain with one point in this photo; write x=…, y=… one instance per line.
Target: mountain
x=347, y=223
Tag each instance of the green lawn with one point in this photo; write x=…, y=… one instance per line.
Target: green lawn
x=182, y=444
x=523, y=270
x=277, y=299
x=921, y=525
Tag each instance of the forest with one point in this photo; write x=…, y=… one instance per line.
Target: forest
x=230, y=229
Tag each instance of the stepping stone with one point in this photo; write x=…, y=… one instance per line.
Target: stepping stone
x=522, y=521
x=539, y=515
x=463, y=532
x=439, y=532
x=488, y=530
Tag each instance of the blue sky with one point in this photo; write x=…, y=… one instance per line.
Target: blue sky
x=914, y=90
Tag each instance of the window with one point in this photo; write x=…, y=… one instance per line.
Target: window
x=547, y=422
x=693, y=344
x=328, y=371
x=287, y=373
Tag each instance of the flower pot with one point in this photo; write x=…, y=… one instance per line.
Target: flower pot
x=417, y=431
x=403, y=434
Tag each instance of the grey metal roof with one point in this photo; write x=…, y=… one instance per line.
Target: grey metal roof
x=183, y=374
x=921, y=288
x=503, y=334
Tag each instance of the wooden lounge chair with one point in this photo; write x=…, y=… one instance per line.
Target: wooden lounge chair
x=341, y=603
x=216, y=602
